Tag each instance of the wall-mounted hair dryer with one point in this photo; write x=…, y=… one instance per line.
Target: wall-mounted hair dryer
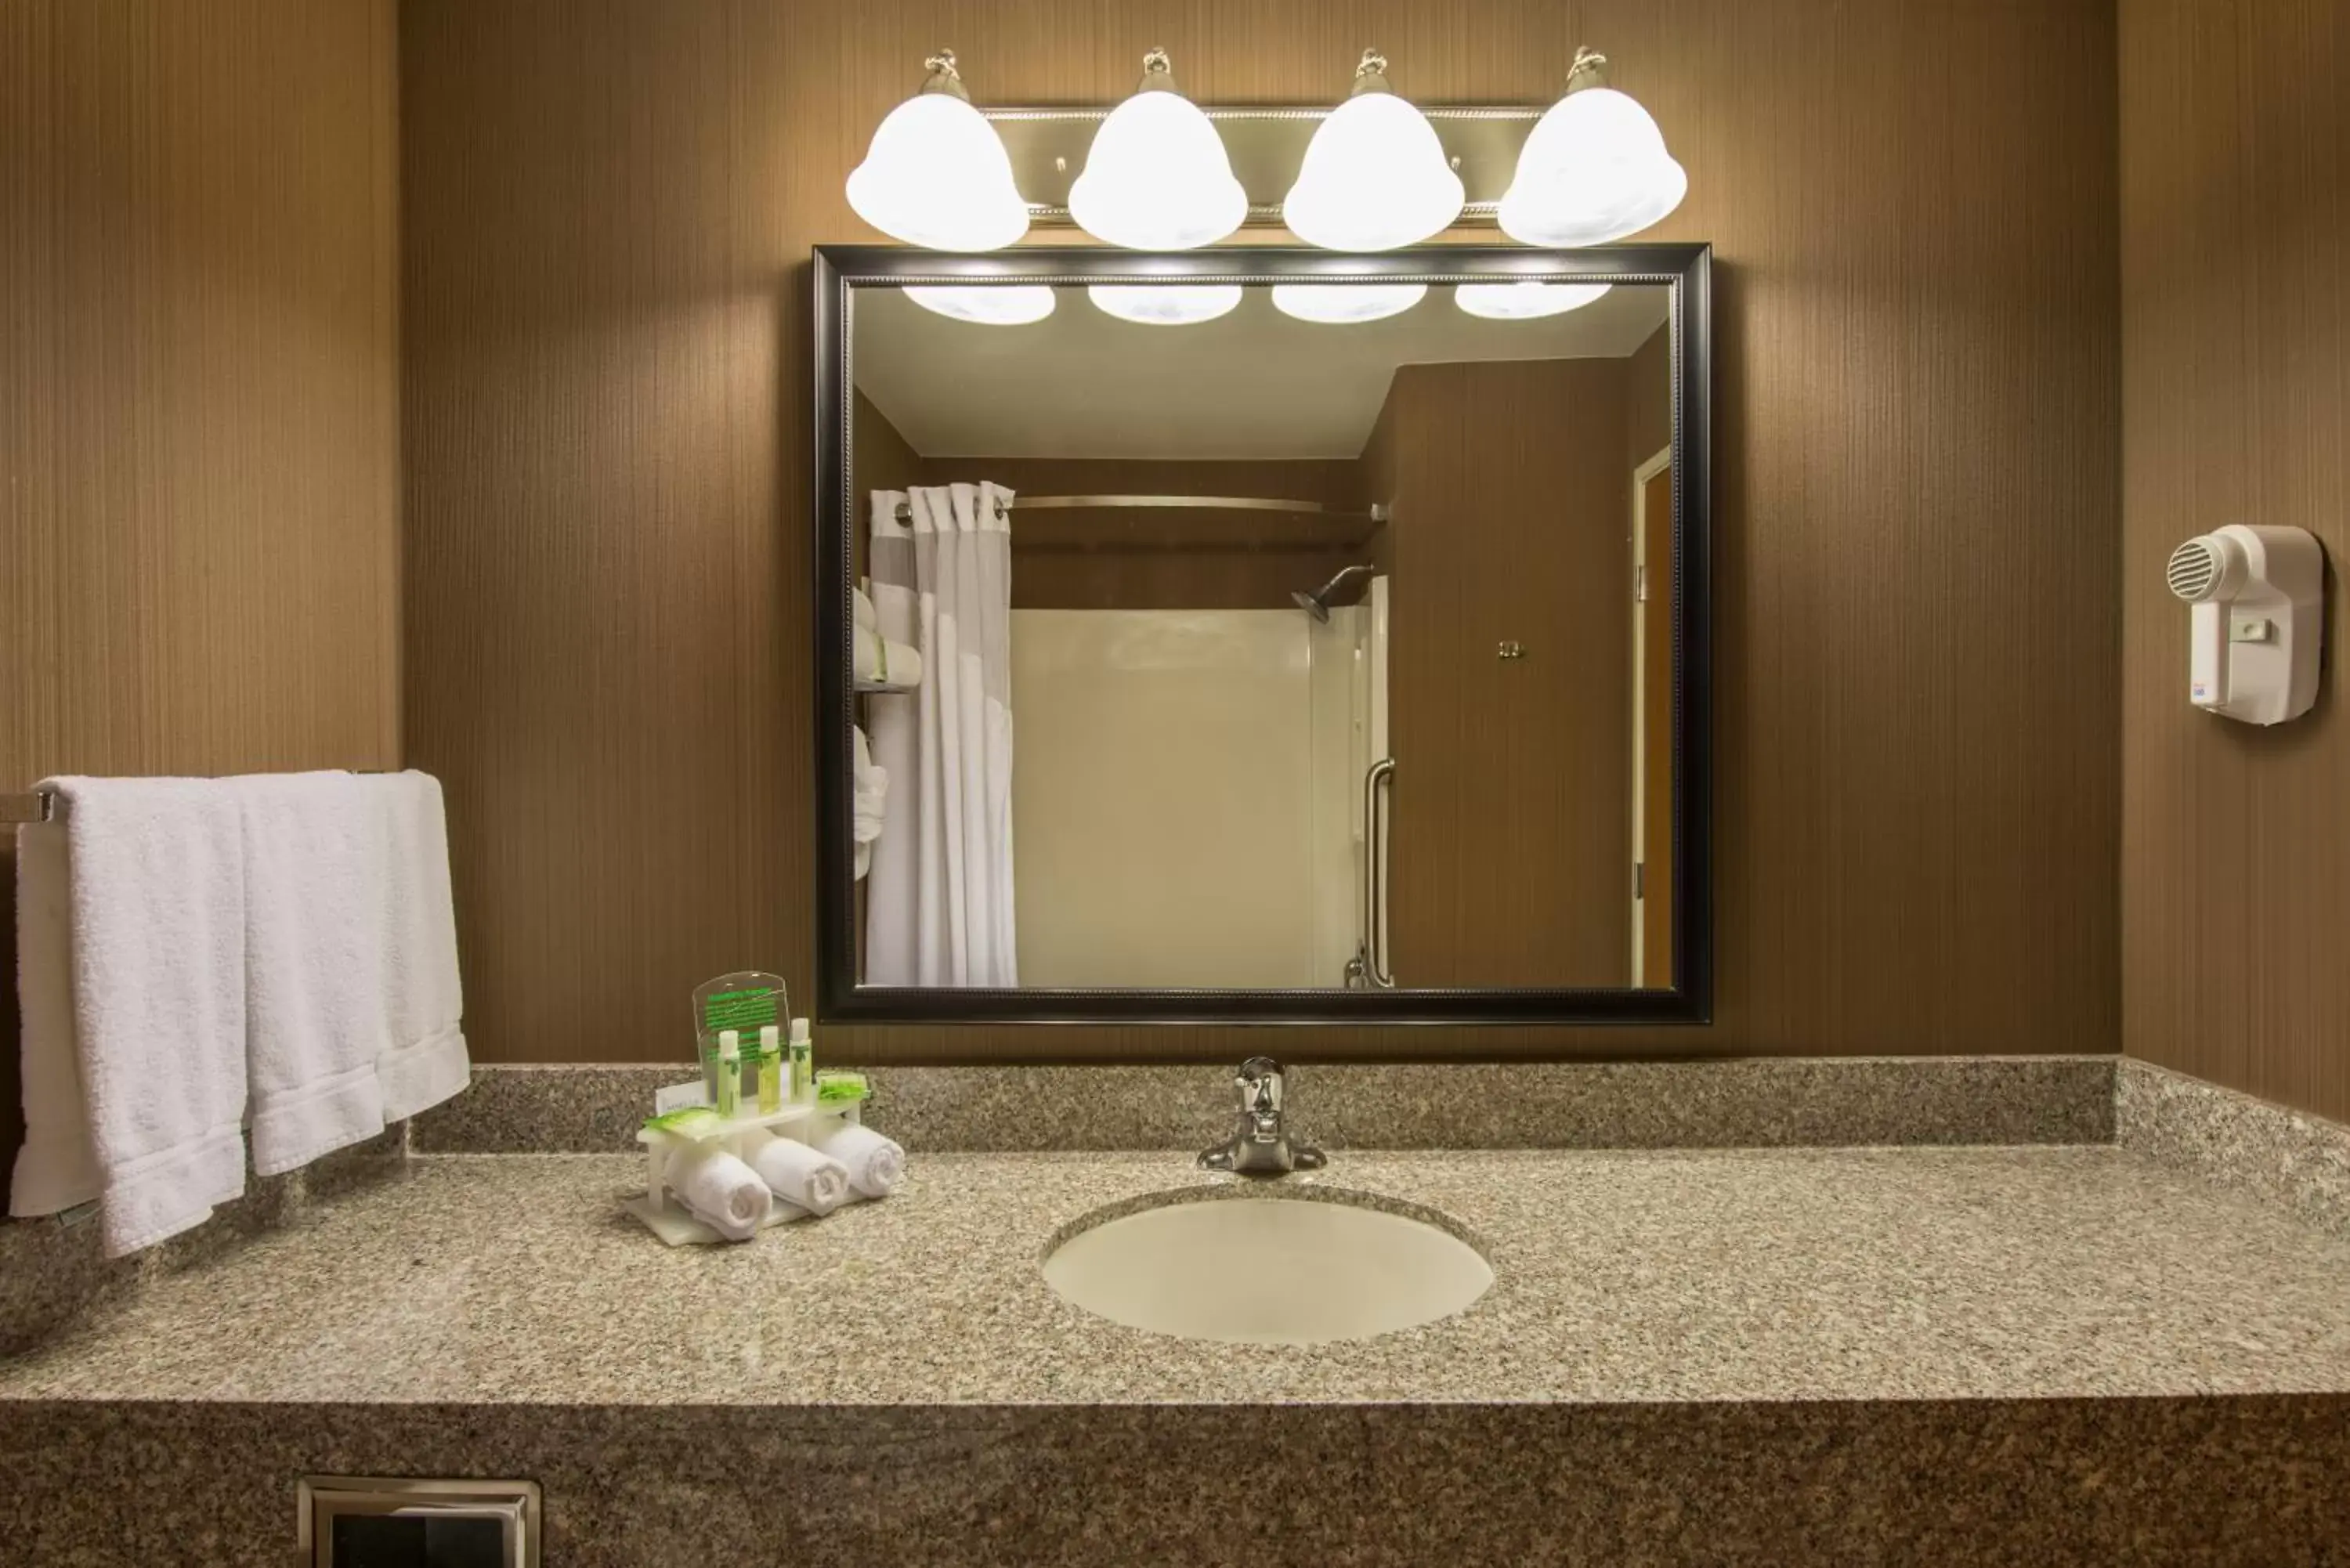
x=2259, y=599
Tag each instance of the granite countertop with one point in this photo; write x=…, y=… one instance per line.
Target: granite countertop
x=1622, y=1277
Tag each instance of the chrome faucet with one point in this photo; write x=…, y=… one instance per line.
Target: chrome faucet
x=1261, y=1145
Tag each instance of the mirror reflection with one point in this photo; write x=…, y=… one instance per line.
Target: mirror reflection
x=1295, y=636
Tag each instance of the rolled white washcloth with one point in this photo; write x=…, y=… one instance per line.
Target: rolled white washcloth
x=798, y=1175
x=722, y=1192
x=875, y=1165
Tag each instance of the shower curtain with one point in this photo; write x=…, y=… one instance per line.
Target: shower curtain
x=939, y=900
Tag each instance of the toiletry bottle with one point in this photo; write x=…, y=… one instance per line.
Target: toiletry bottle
x=803, y=1061
x=730, y=1072
x=771, y=1070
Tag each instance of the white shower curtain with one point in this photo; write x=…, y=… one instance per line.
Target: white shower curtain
x=939, y=899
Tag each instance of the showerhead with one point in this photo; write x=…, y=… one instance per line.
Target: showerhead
x=1317, y=603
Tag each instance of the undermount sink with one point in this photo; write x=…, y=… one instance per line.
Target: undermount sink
x=1305, y=1266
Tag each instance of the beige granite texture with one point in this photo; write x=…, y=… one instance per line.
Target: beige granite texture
x=1930, y=1355
x=1639, y=1277
x=1753, y=1103
x=52, y=1272
x=2259, y=1482
x=1934, y=1356
x=2286, y=1158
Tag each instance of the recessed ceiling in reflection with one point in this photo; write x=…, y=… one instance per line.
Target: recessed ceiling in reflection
x=1525, y=301
x=1340, y=303
x=1004, y=306
x=1165, y=305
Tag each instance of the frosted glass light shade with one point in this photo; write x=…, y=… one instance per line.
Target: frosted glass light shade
x=1341, y=303
x=1156, y=177
x=1594, y=170
x=1164, y=303
x=936, y=176
x=1525, y=301
x=1010, y=305
x=1375, y=177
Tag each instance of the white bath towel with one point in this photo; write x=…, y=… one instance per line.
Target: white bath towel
x=155, y=911
x=872, y=788
x=887, y=663
x=875, y=1164
x=423, y=1061
x=56, y=1168
x=720, y=1190
x=861, y=609
x=316, y=882
x=798, y=1175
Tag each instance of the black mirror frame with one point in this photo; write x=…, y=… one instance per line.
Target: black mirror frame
x=839, y=270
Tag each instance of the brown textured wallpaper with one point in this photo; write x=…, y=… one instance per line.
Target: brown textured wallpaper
x=2235, y=158
x=608, y=212
x=199, y=505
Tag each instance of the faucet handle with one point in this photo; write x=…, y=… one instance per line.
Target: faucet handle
x=1259, y=1083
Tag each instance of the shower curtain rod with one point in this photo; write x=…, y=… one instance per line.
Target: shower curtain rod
x=1375, y=512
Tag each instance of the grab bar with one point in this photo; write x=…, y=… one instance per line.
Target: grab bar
x=1375, y=957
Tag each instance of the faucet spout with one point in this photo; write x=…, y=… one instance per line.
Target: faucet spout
x=1260, y=1145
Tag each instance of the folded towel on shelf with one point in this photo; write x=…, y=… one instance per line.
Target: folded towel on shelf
x=720, y=1190
x=317, y=872
x=870, y=783
x=875, y=1164
x=423, y=1059
x=140, y=1083
x=886, y=662
x=863, y=606
x=798, y=1175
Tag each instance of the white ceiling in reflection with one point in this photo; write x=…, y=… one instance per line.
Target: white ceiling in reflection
x=1252, y=384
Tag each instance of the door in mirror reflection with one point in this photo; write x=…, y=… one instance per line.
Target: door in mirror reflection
x=1207, y=640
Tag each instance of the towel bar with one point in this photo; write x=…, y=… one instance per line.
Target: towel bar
x=40, y=806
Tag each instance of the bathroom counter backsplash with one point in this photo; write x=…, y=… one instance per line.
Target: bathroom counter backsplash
x=1756, y=1102
x=1622, y=1277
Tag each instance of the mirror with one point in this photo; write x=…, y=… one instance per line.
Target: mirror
x=1275, y=642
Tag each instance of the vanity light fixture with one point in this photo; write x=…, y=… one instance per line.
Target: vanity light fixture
x=1011, y=305
x=1164, y=303
x=1342, y=303
x=1593, y=168
x=1375, y=176
x=937, y=175
x=1156, y=177
x=1525, y=301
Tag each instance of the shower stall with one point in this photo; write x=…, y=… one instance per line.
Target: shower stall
x=1189, y=797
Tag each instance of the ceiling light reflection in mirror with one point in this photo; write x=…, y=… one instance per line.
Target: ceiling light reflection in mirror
x=1524, y=301
x=1002, y=306
x=1165, y=305
x=1341, y=304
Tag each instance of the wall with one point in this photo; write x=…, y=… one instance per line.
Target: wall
x=608, y=211
x=199, y=551
x=1510, y=845
x=2235, y=201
